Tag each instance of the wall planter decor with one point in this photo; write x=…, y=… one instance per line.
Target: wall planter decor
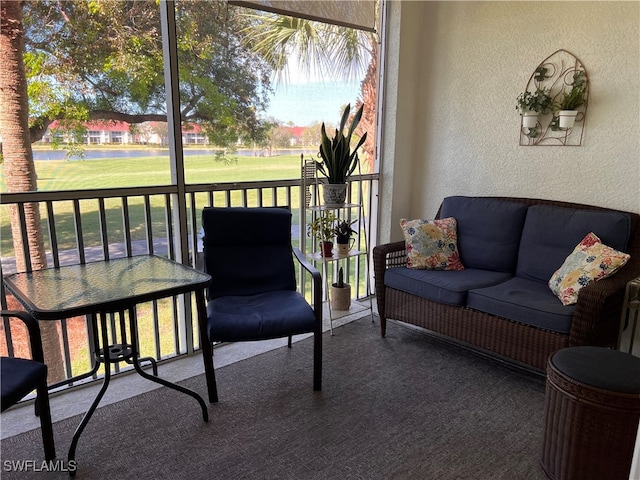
x=556, y=96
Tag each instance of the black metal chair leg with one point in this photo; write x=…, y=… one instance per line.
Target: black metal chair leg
x=317, y=361
x=44, y=412
x=289, y=342
x=207, y=350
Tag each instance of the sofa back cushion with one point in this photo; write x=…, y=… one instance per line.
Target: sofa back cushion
x=551, y=233
x=489, y=231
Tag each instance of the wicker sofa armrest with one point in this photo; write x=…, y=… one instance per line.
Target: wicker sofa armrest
x=596, y=320
x=385, y=256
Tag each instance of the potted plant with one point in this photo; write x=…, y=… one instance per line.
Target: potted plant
x=533, y=104
x=322, y=229
x=344, y=236
x=572, y=100
x=340, y=293
x=338, y=161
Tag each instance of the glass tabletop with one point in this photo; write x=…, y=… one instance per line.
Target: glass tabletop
x=103, y=286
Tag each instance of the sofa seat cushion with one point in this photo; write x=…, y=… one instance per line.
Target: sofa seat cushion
x=551, y=233
x=450, y=286
x=489, y=231
x=524, y=301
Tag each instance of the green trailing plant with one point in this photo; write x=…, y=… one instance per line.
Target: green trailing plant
x=577, y=96
x=342, y=229
x=338, y=161
x=538, y=101
x=322, y=228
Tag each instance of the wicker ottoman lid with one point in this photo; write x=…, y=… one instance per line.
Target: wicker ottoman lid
x=599, y=367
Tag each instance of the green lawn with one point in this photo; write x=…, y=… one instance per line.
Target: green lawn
x=154, y=170
x=56, y=175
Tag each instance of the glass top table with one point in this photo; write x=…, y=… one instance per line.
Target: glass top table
x=98, y=289
x=105, y=286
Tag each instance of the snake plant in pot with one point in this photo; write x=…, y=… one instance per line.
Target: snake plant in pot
x=337, y=160
x=340, y=293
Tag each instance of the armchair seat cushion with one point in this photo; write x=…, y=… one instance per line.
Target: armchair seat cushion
x=259, y=317
x=450, y=286
x=524, y=301
x=19, y=376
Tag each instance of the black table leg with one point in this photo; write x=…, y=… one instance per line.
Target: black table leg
x=136, y=364
x=107, y=376
x=134, y=358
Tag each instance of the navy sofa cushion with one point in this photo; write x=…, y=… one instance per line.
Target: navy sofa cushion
x=449, y=286
x=525, y=301
x=489, y=231
x=551, y=233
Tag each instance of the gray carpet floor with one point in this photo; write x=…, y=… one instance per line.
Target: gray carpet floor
x=402, y=407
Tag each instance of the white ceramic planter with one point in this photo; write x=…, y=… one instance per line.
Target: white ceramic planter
x=529, y=119
x=567, y=118
x=334, y=195
x=343, y=247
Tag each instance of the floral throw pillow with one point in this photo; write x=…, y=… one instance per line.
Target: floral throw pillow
x=432, y=244
x=590, y=261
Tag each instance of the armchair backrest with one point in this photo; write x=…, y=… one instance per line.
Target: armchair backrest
x=247, y=250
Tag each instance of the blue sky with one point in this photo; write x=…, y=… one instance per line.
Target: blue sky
x=306, y=103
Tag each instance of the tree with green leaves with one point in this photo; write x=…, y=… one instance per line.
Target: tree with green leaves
x=327, y=50
x=18, y=162
x=102, y=60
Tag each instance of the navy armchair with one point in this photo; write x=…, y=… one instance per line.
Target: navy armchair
x=253, y=294
x=19, y=376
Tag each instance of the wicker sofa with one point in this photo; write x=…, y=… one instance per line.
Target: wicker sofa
x=524, y=322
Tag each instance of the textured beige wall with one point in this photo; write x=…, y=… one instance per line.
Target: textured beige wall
x=454, y=70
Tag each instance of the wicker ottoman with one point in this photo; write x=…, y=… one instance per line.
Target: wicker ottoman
x=592, y=409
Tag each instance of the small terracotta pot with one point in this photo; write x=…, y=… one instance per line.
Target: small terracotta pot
x=326, y=249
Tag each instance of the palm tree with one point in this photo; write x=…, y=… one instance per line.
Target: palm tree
x=327, y=50
x=19, y=168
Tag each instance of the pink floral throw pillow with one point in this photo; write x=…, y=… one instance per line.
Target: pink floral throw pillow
x=590, y=261
x=432, y=244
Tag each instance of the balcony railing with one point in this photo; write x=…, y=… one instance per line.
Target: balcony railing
x=81, y=226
